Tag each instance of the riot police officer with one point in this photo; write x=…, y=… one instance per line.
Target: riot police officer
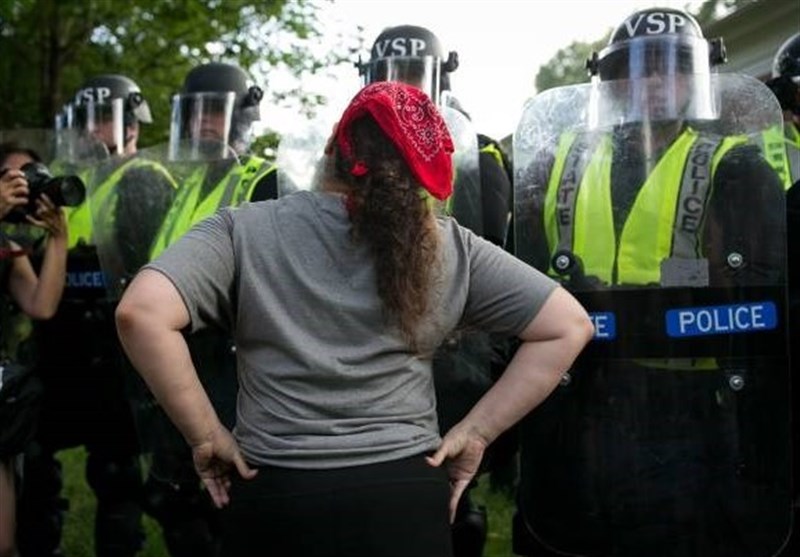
x=464, y=367
x=777, y=141
x=211, y=130
x=785, y=83
x=647, y=199
x=84, y=397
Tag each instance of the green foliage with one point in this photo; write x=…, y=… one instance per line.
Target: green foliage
x=50, y=47
x=568, y=66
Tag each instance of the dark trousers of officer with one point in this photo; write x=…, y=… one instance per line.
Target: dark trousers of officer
x=84, y=405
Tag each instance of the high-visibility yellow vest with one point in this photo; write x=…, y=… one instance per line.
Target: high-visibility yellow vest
x=579, y=213
x=189, y=208
x=781, y=148
x=79, y=219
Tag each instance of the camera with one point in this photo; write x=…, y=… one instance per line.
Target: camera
x=67, y=191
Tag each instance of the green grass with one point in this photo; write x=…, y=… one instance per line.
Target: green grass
x=78, y=538
x=499, y=511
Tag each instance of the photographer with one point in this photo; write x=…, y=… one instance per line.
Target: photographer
x=37, y=296
x=84, y=402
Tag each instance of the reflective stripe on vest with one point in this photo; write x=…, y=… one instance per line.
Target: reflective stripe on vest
x=581, y=193
x=775, y=148
x=188, y=209
x=492, y=150
x=791, y=136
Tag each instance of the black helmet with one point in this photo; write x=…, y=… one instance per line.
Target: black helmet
x=411, y=54
x=787, y=59
x=785, y=82
x=656, y=40
x=646, y=57
x=98, y=121
x=222, y=92
x=104, y=88
x=218, y=77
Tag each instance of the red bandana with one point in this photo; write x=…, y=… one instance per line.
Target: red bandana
x=411, y=121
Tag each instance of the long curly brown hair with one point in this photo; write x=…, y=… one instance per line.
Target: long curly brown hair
x=389, y=213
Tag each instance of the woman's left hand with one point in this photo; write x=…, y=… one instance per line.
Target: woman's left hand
x=50, y=217
x=215, y=459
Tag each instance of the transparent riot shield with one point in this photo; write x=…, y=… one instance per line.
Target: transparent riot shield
x=300, y=153
x=465, y=205
x=133, y=227
x=670, y=435
x=129, y=200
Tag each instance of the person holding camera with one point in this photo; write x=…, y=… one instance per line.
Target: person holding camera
x=85, y=400
x=37, y=297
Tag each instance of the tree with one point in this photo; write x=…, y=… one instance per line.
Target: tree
x=51, y=46
x=568, y=66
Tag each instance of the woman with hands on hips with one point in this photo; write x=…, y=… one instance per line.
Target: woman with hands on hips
x=337, y=298
x=37, y=296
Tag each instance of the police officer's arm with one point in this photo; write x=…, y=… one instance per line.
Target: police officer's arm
x=267, y=187
x=530, y=239
x=496, y=198
x=145, y=195
x=38, y=296
x=549, y=345
x=746, y=217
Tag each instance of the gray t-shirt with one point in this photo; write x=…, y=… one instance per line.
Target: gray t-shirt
x=324, y=381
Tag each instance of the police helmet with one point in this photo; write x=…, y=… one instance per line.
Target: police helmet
x=785, y=82
x=105, y=88
x=666, y=45
x=411, y=54
x=98, y=121
x=218, y=92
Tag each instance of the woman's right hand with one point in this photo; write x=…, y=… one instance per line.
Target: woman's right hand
x=214, y=460
x=13, y=190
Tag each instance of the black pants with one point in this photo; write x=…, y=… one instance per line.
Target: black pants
x=396, y=509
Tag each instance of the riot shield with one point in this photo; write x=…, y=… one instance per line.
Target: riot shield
x=466, y=204
x=670, y=435
x=299, y=154
x=128, y=201
x=165, y=200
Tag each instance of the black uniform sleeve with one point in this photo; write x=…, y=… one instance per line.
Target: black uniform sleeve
x=144, y=197
x=746, y=217
x=529, y=238
x=267, y=187
x=496, y=198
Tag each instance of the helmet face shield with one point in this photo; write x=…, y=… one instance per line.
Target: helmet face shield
x=91, y=130
x=200, y=128
x=423, y=72
x=644, y=57
x=653, y=79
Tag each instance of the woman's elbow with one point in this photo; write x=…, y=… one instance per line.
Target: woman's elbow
x=126, y=315
x=583, y=330
x=43, y=313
